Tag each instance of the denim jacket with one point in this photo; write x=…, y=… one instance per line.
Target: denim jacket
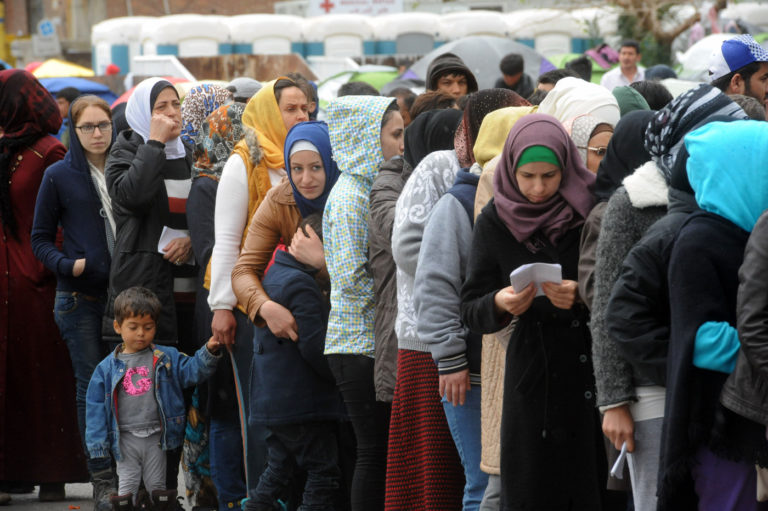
x=173, y=372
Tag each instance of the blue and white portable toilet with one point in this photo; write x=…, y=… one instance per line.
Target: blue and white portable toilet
x=468, y=23
x=266, y=34
x=187, y=35
x=339, y=35
x=552, y=31
x=408, y=33
x=116, y=41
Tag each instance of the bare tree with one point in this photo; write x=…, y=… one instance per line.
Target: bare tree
x=649, y=15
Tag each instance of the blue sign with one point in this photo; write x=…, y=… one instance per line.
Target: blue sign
x=45, y=28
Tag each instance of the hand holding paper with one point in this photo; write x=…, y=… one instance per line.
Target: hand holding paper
x=536, y=273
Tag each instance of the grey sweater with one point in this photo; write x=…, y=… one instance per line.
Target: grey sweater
x=430, y=180
x=440, y=273
x=632, y=209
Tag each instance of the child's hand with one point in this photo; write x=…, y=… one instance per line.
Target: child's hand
x=213, y=345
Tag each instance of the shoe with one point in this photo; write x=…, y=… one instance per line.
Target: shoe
x=104, y=487
x=51, y=492
x=122, y=502
x=5, y=498
x=164, y=500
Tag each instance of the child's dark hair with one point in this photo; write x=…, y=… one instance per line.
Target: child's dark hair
x=136, y=301
x=388, y=113
x=315, y=221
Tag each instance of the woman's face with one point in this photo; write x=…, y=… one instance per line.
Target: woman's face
x=168, y=104
x=308, y=174
x=538, y=180
x=598, y=142
x=293, y=107
x=95, y=120
x=392, y=136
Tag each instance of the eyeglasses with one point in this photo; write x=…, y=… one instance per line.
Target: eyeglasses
x=600, y=151
x=88, y=129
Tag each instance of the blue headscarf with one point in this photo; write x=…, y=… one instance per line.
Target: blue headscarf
x=315, y=132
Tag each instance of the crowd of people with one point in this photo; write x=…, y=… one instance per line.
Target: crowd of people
x=326, y=314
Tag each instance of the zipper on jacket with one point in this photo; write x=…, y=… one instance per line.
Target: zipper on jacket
x=156, y=367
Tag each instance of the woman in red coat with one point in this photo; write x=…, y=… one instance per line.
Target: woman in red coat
x=39, y=440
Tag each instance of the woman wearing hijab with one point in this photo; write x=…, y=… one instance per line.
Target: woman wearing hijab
x=364, y=132
x=38, y=431
x=550, y=429
x=254, y=167
x=214, y=143
x=591, y=137
x=709, y=452
x=73, y=195
x=572, y=97
x=148, y=178
x=420, y=438
x=430, y=132
x=199, y=103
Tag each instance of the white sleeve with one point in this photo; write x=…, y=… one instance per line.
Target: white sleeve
x=229, y=223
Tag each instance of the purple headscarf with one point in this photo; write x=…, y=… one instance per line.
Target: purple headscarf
x=563, y=211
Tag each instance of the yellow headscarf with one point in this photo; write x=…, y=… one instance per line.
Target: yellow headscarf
x=494, y=130
x=262, y=116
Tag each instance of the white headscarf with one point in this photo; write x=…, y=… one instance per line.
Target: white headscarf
x=138, y=113
x=572, y=97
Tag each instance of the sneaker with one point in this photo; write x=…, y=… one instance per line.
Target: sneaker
x=104, y=487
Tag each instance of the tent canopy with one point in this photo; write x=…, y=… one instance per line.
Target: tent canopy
x=54, y=85
x=53, y=68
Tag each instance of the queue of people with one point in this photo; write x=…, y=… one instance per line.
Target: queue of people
x=325, y=314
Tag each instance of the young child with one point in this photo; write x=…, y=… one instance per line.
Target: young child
x=134, y=405
x=293, y=390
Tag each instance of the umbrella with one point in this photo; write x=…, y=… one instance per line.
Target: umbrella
x=694, y=63
x=54, y=85
x=52, y=68
x=174, y=80
x=482, y=55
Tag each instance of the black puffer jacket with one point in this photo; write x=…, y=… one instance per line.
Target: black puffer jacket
x=746, y=390
x=135, y=174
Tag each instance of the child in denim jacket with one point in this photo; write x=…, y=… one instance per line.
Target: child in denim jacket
x=134, y=405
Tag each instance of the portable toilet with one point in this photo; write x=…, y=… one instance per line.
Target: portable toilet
x=466, y=23
x=548, y=31
x=600, y=21
x=116, y=41
x=187, y=35
x=407, y=33
x=339, y=35
x=266, y=34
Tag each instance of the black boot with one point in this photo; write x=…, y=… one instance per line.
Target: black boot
x=104, y=487
x=122, y=502
x=164, y=500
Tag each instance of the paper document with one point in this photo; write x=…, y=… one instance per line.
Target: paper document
x=538, y=273
x=618, y=468
x=168, y=235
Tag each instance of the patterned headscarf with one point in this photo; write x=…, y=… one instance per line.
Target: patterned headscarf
x=563, y=211
x=581, y=129
x=217, y=138
x=27, y=112
x=198, y=104
x=26, y=107
x=480, y=104
x=665, y=132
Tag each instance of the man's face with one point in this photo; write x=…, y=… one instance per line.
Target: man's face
x=511, y=80
x=63, y=107
x=757, y=85
x=453, y=84
x=628, y=58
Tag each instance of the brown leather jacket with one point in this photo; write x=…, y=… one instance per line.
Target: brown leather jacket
x=746, y=389
x=276, y=219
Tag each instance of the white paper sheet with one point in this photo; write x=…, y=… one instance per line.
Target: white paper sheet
x=537, y=273
x=169, y=235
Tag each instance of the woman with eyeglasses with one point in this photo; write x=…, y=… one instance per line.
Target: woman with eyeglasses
x=591, y=137
x=74, y=195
